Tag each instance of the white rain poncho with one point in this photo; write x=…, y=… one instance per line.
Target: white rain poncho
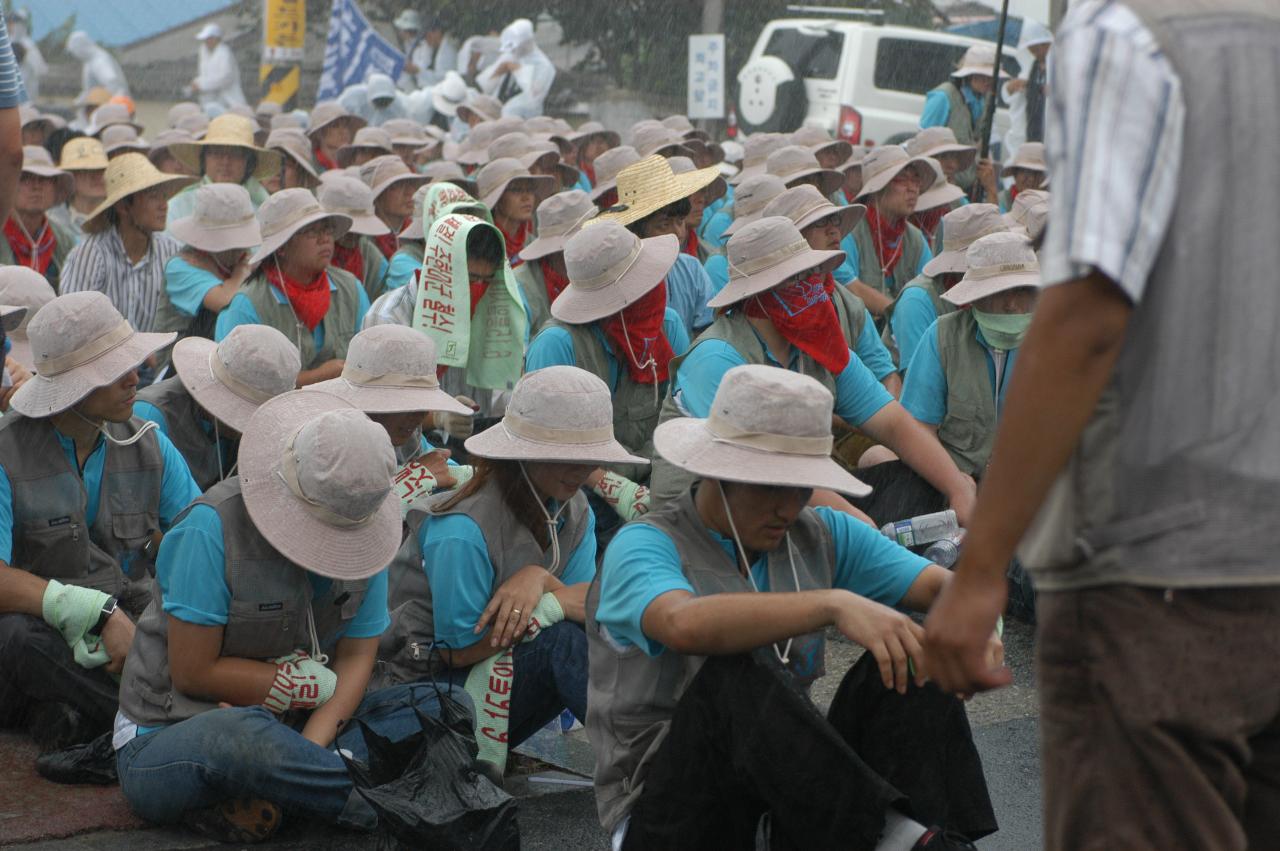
x=98, y=67
x=524, y=90
x=1033, y=33
x=218, y=79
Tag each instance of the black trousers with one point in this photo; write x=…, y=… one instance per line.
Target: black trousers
x=898, y=493
x=745, y=741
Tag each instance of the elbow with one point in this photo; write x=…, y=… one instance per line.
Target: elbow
x=1090, y=316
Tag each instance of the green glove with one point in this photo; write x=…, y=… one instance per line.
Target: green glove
x=73, y=611
x=301, y=683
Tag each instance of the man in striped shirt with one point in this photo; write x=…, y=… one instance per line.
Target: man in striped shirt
x=11, y=94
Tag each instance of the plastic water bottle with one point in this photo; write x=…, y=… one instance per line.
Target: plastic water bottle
x=945, y=552
x=922, y=530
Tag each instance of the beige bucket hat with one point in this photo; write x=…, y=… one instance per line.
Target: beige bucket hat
x=122, y=137
x=181, y=110
x=885, y=162
x=350, y=197
x=1029, y=213
x=23, y=287
x=230, y=131
x=391, y=369
x=651, y=184
x=936, y=141
x=287, y=121
x=650, y=139
x=941, y=193
x=292, y=143
x=221, y=220
x=475, y=150
x=961, y=228
x=1030, y=157
x=129, y=174
x=531, y=153
x=267, y=110
x=819, y=141
x=766, y=253
x=594, y=128
x=793, y=162
x=497, y=175
x=79, y=342
x=684, y=127
x=750, y=197
x=608, y=165
x=36, y=160
x=716, y=189
x=231, y=379
x=29, y=116
x=804, y=205
x=287, y=212
x=485, y=107
x=316, y=475
x=366, y=138
x=768, y=426
x=82, y=154
x=405, y=131
x=196, y=124
x=560, y=413
x=980, y=59
x=609, y=268
x=854, y=160
x=755, y=153
x=381, y=173
x=160, y=144
x=330, y=112
x=108, y=115
x=558, y=218
x=996, y=262
x=447, y=171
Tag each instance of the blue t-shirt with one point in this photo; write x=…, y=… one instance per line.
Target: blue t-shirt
x=554, y=347
x=717, y=269
x=937, y=107
x=400, y=270
x=241, y=312
x=872, y=351
x=642, y=563
x=713, y=227
x=187, y=285
x=924, y=391
x=688, y=291
x=854, y=262
x=177, y=488
x=912, y=316
x=149, y=412
x=461, y=576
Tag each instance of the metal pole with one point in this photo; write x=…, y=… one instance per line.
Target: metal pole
x=989, y=116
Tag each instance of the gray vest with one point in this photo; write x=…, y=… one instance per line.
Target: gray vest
x=851, y=311
x=961, y=123
x=270, y=597
x=968, y=431
x=339, y=323
x=631, y=696
x=374, y=284
x=51, y=536
x=940, y=307
x=1177, y=478
x=534, y=287
x=64, y=239
x=869, y=263
x=183, y=418
x=510, y=545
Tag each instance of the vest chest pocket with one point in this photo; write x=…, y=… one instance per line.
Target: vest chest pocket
x=53, y=549
x=132, y=530
x=264, y=629
x=963, y=428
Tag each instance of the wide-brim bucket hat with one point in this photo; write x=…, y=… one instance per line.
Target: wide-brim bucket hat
x=29, y=116
x=129, y=174
x=405, y=131
x=23, y=287
x=497, y=175
x=109, y=115
x=650, y=139
x=820, y=142
x=366, y=139
x=941, y=193
x=767, y=426
x=331, y=112
x=1029, y=213
x=960, y=229
x=558, y=218
x=805, y=205
x=608, y=165
x=765, y=254
x=82, y=154
x=883, y=164
x=80, y=342
x=651, y=184
x=391, y=369
x=287, y=212
x=350, y=197
x=558, y=414
x=230, y=130
x=316, y=476
x=381, y=173
x=36, y=160
x=160, y=144
x=980, y=59
x=449, y=94
x=1030, y=157
x=999, y=262
x=233, y=378
x=936, y=141
x=222, y=219
x=750, y=197
x=121, y=137
x=594, y=128
x=684, y=127
x=291, y=142
x=447, y=171
x=485, y=107
x=755, y=153
x=610, y=268
x=715, y=190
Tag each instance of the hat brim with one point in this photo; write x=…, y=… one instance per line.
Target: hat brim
x=739, y=288
x=347, y=152
x=746, y=171
x=850, y=215
x=272, y=243
x=303, y=163
x=612, y=137
x=740, y=222
x=66, y=180
x=11, y=316
x=367, y=224
x=191, y=360
x=44, y=397
x=940, y=195
x=243, y=236
x=967, y=292
x=352, y=117
x=957, y=148
x=472, y=157
x=498, y=443
x=266, y=165
x=686, y=184
x=689, y=444
x=416, y=179
x=844, y=148
x=545, y=188
x=174, y=182
x=884, y=178
x=947, y=263
x=392, y=400
x=544, y=246
x=578, y=306
x=443, y=105
x=96, y=131
x=978, y=71
x=1008, y=170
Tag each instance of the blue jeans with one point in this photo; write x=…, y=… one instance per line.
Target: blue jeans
x=246, y=752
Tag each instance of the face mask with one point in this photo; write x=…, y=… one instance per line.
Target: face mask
x=1002, y=331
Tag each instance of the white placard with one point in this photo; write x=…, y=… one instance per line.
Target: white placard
x=706, y=76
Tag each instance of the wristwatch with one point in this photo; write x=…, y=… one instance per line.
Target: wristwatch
x=108, y=609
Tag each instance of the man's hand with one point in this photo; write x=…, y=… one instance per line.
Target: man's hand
x=411, y=69
x=117, y=638
x=19, y=374
x=512, y=605
x=437, y=461
x=890, y=636
x=959, y=633
x=508, y=67
x=456, y=425
x=1016, y=85
x=987, y=179
x=963, y=498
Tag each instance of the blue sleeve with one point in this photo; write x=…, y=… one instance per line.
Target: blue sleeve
x=713, y=230
x=581, y=566
x=12, y=92
x=177, y=488
x=850, y=249
x=867, y=563
x=191, y=569
x=924, y=392
x=372, y=618
x=640, y=565
x=6, y=518
x=239, y=312
x=381, y=274
x=700, y=374
x=872, y=350
x=400, y=269
x=705, y=315
x=150, y=413
x=912, y=316
x=717, y=269
x=925, y=256
x=362, y=307
x=844, y=274
x=552, y=347
x=859, y=394
x=677, y=334
x=187, y=286
x=461, y=576
x=937, y=110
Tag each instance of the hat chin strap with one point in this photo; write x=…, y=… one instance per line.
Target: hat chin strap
x=552, y=519
x=651, y=364
x=101, y=429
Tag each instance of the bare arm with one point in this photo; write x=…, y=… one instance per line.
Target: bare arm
x=323, y=372
x=220, y=296
x=920, y=450
x=893, y=383
x=876, y=301
x=10, y=159
x=198, y=668
x=21, y=592
x=353, y=663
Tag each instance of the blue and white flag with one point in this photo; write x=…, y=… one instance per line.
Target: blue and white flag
x=353, y=51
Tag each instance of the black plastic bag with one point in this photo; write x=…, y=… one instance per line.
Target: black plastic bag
x=427, y=793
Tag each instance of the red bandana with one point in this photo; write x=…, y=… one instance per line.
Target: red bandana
x=478, y=289
x=516, y=241
x=310, y=301
x=387, y=243
x=806, y=317
x=590, y=171
x=608, y=199
x=323, y=161
x=636, y=333
x=33, y=253
x=928, y=220
x=690, y=246
x=349, y=259
x=887, y=239
x=554, y=280
x=1013, y=193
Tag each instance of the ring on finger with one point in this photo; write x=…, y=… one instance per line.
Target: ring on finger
x=515, y=611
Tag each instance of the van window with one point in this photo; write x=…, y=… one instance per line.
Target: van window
x=908, y=65
x=811, y=53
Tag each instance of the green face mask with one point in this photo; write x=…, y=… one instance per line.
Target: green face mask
x=1002, y=330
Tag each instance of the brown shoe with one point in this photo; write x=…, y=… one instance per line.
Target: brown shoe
x=242, y=820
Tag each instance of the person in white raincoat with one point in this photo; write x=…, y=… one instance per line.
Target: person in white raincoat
x=1026, y=94
x=376, y=100
x=217, y=81
x=98, y=67
x=522, y=76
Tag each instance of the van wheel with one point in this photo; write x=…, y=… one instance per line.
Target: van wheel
x=771, y=96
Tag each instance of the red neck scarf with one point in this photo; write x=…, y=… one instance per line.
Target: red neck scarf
x=323, y=161
x=1013, y=193
x=690, y=246
x=387, y=243
x=34, y=253
x=554, y=280
x=887, y=238
x=928, y=220
x=637, y=337
x=310, y=300
x=608, y=199
x=806, y=317
x=516, y=241
x=349, y=259
x=590, y=171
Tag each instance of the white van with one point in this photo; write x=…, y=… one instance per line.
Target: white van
x=863, y=82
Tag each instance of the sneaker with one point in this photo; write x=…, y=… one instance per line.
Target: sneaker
x=243, y=820
x=94, y=763
x=936, y=839
x=56, y=726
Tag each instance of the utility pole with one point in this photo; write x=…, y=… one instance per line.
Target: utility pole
x=712, y=22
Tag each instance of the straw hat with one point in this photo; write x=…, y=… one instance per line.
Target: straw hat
x=485, y=107
x=767, y=426
x=1029, y=213
x=83, y=153
x=447, y=171
x=804, y=205
x=36, y=160
x=609, y=268
x=366, y=138
x=230, y=131
x=608, y=165
x=996, y=262
x=449, y=94
x=716, y=189
x=122, y=137
x=108, y=115
x=960, y=229
x=650, y=185
x=329, y=112
x=766, y=253
x=558, y=218
x=385, y=171
x=755, y=153
x=292, y=142
x=594, y=128
x=221, y=220
x=497, y=175
x=232, y=378
x=391, y=369
x=684, y=128
x=316, y=475
x=883, y=164
x=819, y=141
x=127, y=175
x=750, y=198
x=936, y=141
x=980, y=59
x=560, y=413
x=1030, y=157
x=793, y=163
x=349, y=196
x=79, y=342
x=941, y=192
x=653, y=139
x=23, y=287
x=287, y=212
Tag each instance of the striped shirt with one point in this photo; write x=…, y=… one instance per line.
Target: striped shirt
x=100, y=263
x=12, y=91
x=1113, y=141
